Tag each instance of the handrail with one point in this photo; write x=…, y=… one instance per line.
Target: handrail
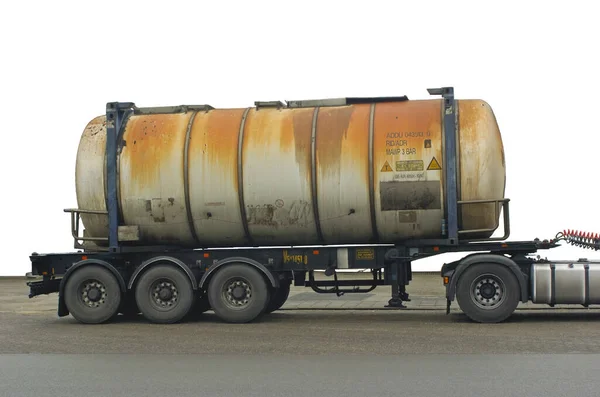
x=499, y=205
x=98, y=212
x=75, y=218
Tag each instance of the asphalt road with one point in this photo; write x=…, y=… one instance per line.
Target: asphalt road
x=264, y=376
x=32, y=326
x=321, y=332
x=298, y=353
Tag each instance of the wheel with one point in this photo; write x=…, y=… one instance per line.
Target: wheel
x=279, y=297
x=238, y=293
x=488, y=293
x=164, y=294
x=92, y=295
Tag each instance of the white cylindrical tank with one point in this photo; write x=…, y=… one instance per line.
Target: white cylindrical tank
x=353, y=174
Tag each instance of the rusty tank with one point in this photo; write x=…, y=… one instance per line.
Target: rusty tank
x=301, y=173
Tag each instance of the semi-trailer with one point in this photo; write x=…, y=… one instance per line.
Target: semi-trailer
x=192, y=208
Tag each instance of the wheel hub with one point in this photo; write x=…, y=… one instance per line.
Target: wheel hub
x=238, y=293
x=487, y=291
x=93, y=293
x=164, y=293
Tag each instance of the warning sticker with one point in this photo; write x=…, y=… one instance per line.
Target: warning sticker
x=365, y=254
x=434, y=165
x=409, y=165
x=386, y=167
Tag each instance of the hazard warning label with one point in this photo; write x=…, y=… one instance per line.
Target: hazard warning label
x=434, y=165
x=386, y=167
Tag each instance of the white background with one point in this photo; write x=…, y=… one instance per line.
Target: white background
x=536, y=63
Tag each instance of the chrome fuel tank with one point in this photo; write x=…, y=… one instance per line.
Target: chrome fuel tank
x=564, y=282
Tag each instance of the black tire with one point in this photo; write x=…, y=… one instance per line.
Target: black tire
x=279, y=297
x=488, y=293
x=164, y=294
x=92, y=295
x=244, y=279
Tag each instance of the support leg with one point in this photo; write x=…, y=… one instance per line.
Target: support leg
x=398, y=285
x=405, y=276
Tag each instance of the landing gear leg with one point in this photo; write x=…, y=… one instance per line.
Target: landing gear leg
x=400, y=275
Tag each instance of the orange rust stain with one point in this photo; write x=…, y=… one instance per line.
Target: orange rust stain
x=151, y=140
x=470, y=150
x=356, y=145
x=261, y=127
x=287, y=130
x=480, y=144
x=214, y=142
x=279, y=129
x=270, y=128
x=302, y=124
x=273, y=132
x=407, y=131
x=490, y=124
x=332, y=130
x=482, y=174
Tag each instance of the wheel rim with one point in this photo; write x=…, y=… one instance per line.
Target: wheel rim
x=93, y=293
x=488, y=291
x=164, y=294
x=237, y=293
